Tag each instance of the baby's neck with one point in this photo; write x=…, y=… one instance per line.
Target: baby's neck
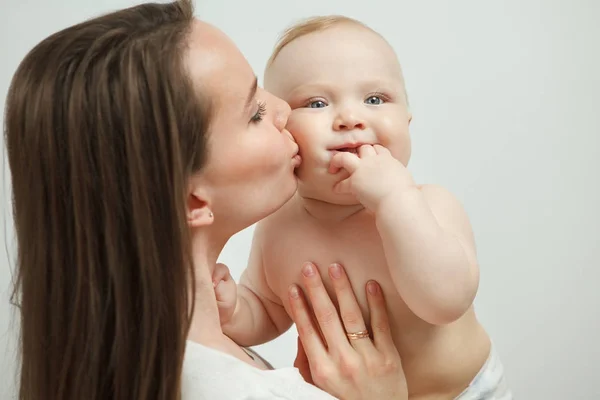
x=329, y=212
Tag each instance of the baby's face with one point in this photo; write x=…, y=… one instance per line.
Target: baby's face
x=345, y=88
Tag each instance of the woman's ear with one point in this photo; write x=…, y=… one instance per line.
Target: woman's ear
x=198, y=209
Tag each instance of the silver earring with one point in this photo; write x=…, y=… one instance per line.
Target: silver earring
x=210, y=214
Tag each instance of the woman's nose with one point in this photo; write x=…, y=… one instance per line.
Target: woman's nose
x=281, y=113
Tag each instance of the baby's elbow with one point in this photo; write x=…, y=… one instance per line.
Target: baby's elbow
x=448, y=308
x=449, y=312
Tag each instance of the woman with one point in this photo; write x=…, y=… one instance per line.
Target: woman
x=138, y=144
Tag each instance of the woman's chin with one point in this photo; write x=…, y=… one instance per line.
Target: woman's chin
x=292, y=188
x=283, y=196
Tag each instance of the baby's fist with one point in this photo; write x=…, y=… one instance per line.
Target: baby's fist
x=374, y=174
x=225, y=292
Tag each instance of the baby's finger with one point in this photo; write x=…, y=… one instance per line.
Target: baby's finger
x=366, y=150
x=221, y=273
x=225, y=291
x=379, y=149
x=344, y=160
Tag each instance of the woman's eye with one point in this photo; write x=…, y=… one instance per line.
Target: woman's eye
x=317, y=104
x=374, y=100
x=260, y=112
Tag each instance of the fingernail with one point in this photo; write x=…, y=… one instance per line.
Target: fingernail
x=294, y=291
x=336, y=271
x=372, y=287
x=308, y=269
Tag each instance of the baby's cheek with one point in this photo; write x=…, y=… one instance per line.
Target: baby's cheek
x=299, y=126
x=393, y=134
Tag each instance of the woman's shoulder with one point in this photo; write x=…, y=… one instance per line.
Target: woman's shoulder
x=212, y=374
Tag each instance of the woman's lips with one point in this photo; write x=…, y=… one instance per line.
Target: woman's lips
x=296, y=160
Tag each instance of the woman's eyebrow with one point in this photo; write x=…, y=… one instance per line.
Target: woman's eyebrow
x=251, y=94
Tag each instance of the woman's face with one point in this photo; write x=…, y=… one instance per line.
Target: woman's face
x=251, y=156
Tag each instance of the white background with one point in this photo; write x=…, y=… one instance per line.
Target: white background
x=505, y=99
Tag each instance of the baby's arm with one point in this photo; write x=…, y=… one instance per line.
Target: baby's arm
x=259, y=316
x=429, y=245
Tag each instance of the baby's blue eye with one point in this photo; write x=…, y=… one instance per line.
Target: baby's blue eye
x=317, y=104
x=374, y=100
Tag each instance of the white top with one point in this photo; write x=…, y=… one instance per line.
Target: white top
x=210, y=374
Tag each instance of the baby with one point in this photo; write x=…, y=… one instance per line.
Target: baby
x=358, y=205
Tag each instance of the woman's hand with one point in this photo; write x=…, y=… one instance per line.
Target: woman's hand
x=347, y=368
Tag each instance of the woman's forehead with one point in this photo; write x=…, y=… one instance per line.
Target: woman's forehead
x=216, y=65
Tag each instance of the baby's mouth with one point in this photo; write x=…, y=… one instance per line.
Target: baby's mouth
x=352, y=150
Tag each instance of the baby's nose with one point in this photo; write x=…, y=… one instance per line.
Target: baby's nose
x=348, y=120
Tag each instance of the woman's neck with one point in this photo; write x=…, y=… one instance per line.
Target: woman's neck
x=205, y=325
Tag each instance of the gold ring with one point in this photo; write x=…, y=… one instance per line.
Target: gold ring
x=358, y=335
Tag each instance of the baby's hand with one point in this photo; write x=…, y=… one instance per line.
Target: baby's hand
x=374, y=174
x=225, y=291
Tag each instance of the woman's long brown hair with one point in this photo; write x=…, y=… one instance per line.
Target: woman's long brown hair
x=103, y=128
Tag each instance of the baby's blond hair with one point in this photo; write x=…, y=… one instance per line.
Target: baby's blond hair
x=310, y=25
x=317, y=24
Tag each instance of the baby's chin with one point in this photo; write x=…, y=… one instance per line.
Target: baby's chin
x=324, y=192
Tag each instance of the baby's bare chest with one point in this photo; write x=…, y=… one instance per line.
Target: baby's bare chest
x=357, y=248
